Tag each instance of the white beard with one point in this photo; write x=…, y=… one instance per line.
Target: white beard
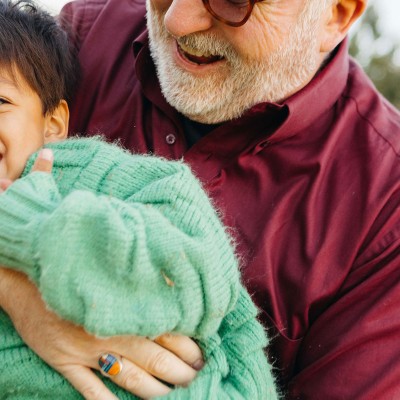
x=239, y=83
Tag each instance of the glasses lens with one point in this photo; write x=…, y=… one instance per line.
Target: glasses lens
x=234, y=11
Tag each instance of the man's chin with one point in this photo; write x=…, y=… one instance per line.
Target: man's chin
x=204, y=111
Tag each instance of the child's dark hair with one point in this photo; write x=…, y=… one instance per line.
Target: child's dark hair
x=34, y=44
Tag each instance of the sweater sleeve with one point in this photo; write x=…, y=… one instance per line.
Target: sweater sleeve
x=236, y=366
x=156, y=262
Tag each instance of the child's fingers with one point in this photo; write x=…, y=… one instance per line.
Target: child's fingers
x=4, y=184
x=44, y=161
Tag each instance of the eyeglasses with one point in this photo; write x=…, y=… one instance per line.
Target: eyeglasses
x=230, y=12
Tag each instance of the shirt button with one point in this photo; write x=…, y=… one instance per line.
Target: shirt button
x=170, y=138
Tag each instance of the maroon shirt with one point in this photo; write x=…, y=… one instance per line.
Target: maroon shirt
x=310, y=188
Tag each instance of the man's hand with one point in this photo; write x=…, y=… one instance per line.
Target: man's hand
x=74, y=353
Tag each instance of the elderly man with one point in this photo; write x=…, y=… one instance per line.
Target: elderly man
x=295, y=147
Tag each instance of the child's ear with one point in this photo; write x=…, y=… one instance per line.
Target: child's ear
x=56, y=124
x=343, y=14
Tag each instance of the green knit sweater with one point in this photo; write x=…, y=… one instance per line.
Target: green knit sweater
x=124, y=244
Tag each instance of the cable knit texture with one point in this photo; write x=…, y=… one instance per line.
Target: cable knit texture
x=126, y=244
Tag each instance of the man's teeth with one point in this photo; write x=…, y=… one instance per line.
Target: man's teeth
x=194, y=52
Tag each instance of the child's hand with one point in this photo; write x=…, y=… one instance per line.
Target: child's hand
x=43, y=163
x=4, y=184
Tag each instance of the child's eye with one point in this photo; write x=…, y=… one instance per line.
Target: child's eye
x=4, y=101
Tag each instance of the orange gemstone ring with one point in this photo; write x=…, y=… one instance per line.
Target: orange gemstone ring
x=110, y=365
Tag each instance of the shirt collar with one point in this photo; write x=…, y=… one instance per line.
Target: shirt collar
x=308, y=104
x=141, y=41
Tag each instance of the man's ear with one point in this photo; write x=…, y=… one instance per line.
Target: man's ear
x=343, y=14
x=56, y=124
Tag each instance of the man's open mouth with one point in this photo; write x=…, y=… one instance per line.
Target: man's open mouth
x=198, y=57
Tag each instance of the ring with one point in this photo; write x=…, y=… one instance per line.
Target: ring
x=110, y=365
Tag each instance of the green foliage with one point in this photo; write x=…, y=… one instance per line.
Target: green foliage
x=377, y=56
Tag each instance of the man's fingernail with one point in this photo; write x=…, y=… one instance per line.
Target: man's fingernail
x=46, y=154
x=198, y=365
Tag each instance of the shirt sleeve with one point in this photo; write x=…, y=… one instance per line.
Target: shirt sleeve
x=76, y=18
x=352, y=351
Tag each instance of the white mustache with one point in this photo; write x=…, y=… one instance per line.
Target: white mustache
x=208, y=45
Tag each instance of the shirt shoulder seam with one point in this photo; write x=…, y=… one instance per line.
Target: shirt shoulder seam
x=370, y=123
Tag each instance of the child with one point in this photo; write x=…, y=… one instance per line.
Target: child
x=117, y=243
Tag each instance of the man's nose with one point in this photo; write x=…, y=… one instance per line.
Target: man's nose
x=187, y=16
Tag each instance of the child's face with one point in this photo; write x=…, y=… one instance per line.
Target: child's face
x=22, y=124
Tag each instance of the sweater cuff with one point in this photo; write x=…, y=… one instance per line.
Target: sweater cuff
x=22, y=207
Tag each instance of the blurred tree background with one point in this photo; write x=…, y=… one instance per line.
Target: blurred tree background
x=379, y=56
